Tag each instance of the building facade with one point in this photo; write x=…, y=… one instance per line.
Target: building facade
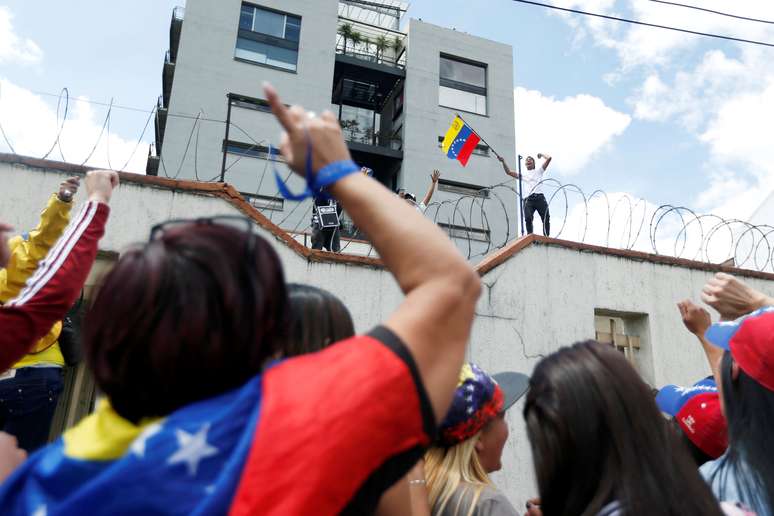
x=395, y=93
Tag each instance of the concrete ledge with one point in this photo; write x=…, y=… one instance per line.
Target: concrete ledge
x=501, y=256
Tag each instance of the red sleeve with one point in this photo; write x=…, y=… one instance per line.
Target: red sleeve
x=336, y=429
x=54, y=287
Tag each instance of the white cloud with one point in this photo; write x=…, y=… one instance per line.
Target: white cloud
x=723, y=97
x=31, y=125
x=572, y=129
x=14, y=49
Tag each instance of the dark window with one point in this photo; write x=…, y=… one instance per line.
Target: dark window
x=251, y=150
x=268, y=37
x=455, y=187
x=397, y=105
x=264, y=202
x=462, y=232
x=246, y=102
x=462, y=85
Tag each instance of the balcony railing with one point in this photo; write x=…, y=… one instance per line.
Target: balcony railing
x=175, y=28
x=353, y=133
x=370, y=56
x=371, y=43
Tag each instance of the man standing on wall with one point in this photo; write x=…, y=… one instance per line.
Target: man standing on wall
x=535, y=200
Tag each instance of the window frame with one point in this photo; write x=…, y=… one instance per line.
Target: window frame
x=463, y=86
x=248, y=150
x=267, y=39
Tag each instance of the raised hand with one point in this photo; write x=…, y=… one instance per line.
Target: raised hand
x=100, y=185
x=304, y=130
x=695, y=318
x=435, y=176
x=731, y=297
x=68, y=188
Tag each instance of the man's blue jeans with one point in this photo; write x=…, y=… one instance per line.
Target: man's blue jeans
x=27, y=404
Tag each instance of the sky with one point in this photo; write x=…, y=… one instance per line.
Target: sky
x=655, y=115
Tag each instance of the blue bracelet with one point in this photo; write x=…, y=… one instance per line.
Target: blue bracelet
x=315, y=185
x=331, y=173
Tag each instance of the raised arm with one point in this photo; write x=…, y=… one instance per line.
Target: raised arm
x=733, y=298
x=55, y=286
x=697, y=320
x=434, y=177
x=27, y=251
x=508, y=171
x=435, y=318
x=547, y=159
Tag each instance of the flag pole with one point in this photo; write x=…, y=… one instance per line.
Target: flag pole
x=521, y=199
x=479, y=136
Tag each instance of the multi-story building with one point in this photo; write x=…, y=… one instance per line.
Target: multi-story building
x=395, y=92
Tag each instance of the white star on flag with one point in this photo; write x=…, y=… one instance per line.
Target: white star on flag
x=193, y=449
x=138, y=446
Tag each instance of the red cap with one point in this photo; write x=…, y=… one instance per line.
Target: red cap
x=703, y=423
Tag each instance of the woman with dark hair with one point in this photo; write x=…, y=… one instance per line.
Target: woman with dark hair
x=600, y=445
x=317, y=320
x=200, y=419
x=745, y=473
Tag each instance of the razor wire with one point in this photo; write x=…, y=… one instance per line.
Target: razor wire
x=490, y=218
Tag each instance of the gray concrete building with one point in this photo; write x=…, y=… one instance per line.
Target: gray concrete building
x=395, y=84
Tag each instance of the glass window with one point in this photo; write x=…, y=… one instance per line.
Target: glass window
x=269, y=23
x=464, y=100
x=462, y=85
x=466, y=73
x=268, y=37
x=293, y=28
x=246, y=18
x=264, y=53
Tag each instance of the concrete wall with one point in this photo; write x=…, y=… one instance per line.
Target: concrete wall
x=541, y=298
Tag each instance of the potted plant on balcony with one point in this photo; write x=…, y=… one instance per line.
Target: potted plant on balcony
x=397, y=46
x=381, y=43
x=357, y=39
x=346, y=31
x=351, y=126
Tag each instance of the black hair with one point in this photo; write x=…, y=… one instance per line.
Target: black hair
x=317, y=320
x=749, y=409
x=696, y=453
x=195, y=303
x=597, y=438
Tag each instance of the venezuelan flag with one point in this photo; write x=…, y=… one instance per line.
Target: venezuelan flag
x=275, y=446
x=460, y=141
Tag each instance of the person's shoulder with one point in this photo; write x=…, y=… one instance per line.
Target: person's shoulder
x=493, y=502
x=708, y=469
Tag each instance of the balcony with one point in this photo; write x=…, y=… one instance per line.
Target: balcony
x=175, y=28
x=152, y=165
x=166, y=78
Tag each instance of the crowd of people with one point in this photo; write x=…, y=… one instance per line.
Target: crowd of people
x=226, y=389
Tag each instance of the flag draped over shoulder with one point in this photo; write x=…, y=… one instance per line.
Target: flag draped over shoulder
x=187, y=463
x=460, y=141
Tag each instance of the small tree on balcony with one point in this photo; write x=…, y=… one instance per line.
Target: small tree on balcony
x=397, y=46
x=381, y=43
x=357, y=38
x=346, y=31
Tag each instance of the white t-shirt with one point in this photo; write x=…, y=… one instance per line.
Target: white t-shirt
x=530, y=180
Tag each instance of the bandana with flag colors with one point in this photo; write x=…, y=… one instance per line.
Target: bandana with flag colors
x=460, y=141
x=325, y=433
